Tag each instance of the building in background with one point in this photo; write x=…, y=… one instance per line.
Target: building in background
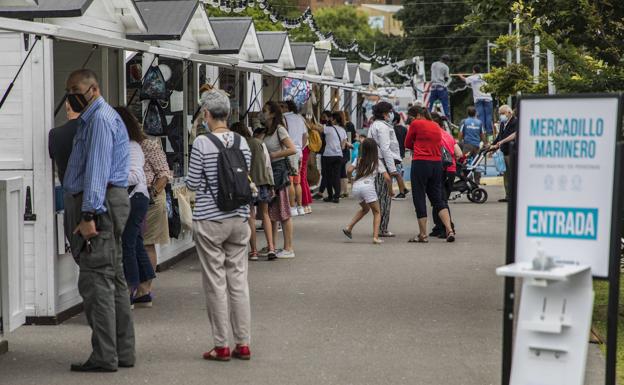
x=315, y=4
x=381, y=17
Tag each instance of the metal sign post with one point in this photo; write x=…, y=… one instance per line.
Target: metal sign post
x=563, y=227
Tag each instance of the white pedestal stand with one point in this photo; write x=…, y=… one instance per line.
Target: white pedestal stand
x=554, y=322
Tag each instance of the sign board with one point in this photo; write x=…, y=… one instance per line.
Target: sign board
x=566, y=173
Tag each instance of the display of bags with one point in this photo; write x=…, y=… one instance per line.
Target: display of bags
x=154, y=85
x=499, y=161
x=154, y=121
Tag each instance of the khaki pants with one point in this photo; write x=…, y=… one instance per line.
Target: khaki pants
x=102, y=284
x=222, y=250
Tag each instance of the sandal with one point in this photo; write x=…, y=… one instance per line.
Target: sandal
x=419, y=239
x=387, y=234
x=253, y=255
x=377, y=241
x=450, y=237
x=347, y=233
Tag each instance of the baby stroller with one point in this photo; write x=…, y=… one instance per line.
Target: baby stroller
x=466, y=181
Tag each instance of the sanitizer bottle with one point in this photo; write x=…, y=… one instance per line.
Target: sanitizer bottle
x=541, y=261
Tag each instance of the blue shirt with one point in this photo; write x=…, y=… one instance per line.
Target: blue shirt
x=99, y=157
x=472, y=129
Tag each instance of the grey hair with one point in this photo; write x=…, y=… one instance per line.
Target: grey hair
x=217, y=103
x=504, y=108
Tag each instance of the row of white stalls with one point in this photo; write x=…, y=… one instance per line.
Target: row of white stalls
x=119, y=40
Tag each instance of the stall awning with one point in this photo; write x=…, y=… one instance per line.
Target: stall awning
x=69, y=34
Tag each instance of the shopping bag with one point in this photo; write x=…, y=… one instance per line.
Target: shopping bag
x=499, y=161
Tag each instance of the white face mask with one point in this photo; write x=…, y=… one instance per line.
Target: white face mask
x=503, y=118
x=390, y=117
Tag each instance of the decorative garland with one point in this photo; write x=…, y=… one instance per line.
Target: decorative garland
x=229, y=6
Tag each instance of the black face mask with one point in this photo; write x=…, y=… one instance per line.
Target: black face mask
x=78, y=102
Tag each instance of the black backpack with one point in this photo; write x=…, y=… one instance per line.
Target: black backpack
x=234, y=190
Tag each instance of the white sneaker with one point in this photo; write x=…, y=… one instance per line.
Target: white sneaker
x=293, y=212
x=285, y=254
x=300, y=210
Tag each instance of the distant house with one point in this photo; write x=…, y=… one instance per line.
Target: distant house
x=381, y=17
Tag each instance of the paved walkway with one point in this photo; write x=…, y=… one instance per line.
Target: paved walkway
x=340, y=313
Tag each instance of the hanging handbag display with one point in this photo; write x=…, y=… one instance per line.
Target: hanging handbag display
x=154, y=85
x=154, y=121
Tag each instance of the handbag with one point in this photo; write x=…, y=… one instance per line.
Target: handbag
x=447, y=158
x=173, y=214
x=315, y=142
x=499, y=161
x=154, y=85
x=154, y=121
x=280, y=174
x=293, y=160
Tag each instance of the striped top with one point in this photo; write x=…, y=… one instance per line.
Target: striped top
x=202, y=166
x=100, y=156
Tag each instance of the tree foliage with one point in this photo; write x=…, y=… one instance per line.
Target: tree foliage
x=586, y=38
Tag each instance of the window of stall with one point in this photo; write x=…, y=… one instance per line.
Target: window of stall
x=232, y=82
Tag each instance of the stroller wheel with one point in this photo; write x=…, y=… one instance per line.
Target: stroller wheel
x=478, y=195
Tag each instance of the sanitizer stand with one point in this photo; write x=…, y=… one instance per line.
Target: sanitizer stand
x=554, y=322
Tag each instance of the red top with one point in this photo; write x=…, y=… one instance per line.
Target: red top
x=424, y=139
x=449, y=143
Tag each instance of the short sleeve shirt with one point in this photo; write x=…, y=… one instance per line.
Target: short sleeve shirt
x=476, y=82
x=472, y=129
x=334, y=135
x=274, y=142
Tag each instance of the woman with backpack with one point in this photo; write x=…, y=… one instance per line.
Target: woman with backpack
x=280, y=147
x=261, y=175
x=424, y=139
x=220, y=229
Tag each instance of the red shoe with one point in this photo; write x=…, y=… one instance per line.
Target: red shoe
x=218, y=354
x=242, y=352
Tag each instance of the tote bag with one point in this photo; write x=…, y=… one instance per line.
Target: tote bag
x=499, y=161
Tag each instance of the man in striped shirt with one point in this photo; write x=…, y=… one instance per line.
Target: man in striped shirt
x=97, y=178
x=221, y=237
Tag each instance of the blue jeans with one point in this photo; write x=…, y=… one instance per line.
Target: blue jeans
x=440, y=93
x=484, y=113
x=137, y=266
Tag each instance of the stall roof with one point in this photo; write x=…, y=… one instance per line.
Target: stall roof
x=272, y=44
x=321, y=57
x=365, y=76
x=69, y=34
x=230, y=33
x=339, y=64
x=301, y=53
x=354, y=75
x=165, y=19
x=46, y=8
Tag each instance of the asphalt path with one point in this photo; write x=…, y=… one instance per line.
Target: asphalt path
x=342, y=312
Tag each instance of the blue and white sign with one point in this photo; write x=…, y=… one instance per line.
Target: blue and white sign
x=566, y=163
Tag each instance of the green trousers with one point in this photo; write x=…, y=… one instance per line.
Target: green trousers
x=102, y=284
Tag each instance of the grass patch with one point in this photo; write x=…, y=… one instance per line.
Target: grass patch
x=601, y=301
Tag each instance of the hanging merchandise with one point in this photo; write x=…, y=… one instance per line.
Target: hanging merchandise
x=154, y=85
x=154, y=121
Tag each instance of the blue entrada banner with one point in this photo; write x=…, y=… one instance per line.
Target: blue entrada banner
x=562, y=222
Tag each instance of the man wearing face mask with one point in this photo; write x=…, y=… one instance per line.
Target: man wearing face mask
x=504, y=140
x=97, y=178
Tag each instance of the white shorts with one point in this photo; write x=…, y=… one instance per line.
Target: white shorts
x=364, y=191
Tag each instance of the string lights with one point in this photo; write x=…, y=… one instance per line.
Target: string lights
x=307, y=18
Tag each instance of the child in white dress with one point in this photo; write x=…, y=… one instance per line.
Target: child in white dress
x=367, y=166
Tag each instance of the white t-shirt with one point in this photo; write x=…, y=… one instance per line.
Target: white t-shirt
x=476, y=82
x=136, y=174
x=370, y=178
x=296, y=129
x=334, y=135
x=273, y=142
